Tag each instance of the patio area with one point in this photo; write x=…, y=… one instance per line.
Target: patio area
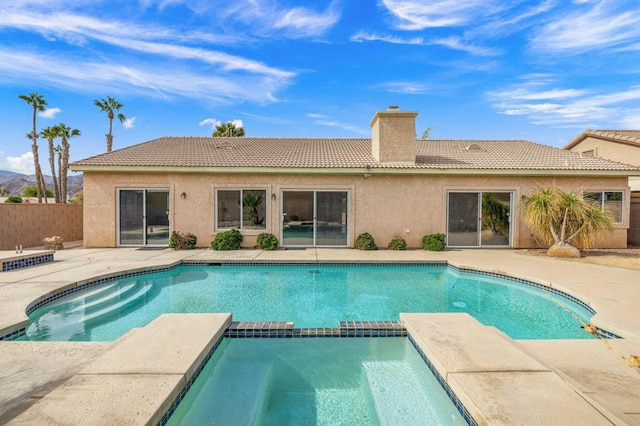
x=589, y=380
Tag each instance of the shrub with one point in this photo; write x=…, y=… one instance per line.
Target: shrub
x=32, y=191
x=267, y=241
x=433, y=242
x=365, y=242
x=397, y=244
x=227, y=240
x=13, y=199
x=180, y=241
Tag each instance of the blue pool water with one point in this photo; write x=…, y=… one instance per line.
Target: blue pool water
x=316, y=382
x=310, y=296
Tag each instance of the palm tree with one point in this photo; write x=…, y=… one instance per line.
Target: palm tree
x=58, y=150
x=50, y=134
x=228, y=129
x=110, y=106
x=65, y=133
x=561, y=217
x=37, y=101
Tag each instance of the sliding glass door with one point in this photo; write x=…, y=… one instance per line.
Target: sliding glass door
x=314, y=218
x=479, y=219
x=143, y=217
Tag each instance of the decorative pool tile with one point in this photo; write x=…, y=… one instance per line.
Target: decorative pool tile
x=176, y=402
x=276, y=330
x=27, y=261
x=14, y=334
x=447, y=389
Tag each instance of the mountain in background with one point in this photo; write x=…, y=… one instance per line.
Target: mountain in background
x=4, y=173
x=15, y=183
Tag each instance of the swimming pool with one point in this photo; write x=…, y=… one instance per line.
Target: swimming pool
x=316, y=382
x=309, y=296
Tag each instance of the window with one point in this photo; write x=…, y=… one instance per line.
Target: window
x=241, y=209
x=610, y=201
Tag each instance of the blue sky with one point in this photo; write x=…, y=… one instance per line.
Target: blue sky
x=475, y=69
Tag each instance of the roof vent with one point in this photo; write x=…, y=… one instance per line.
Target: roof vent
x=474, y=147
x=225, y=145
x=393, y=108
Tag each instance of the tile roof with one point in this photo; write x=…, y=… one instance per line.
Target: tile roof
x=207, y=152
x=629, y=137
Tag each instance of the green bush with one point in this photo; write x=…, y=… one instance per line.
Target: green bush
x=180, y=241
x=433, y=242
x=13, y=199
x=227, y=240
x=397, y=244
x=32, y=191
x=365, y=242
x=267, y=241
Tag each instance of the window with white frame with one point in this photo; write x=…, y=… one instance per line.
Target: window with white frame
x=241, y=209
x=610, y=201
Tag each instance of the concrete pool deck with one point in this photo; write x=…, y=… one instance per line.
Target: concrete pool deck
x=52, y=382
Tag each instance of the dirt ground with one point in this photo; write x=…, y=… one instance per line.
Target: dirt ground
x=622, y=258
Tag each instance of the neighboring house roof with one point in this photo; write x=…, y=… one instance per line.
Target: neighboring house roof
x=211, y=154
x=628, y=137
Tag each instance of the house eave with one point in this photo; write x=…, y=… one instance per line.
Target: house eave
x=373, y=171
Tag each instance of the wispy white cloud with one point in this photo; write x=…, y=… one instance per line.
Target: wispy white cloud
x=129, y=122
x=22, y=164
x=592, y=25
x=451, y=42
x=145, y=78
x=212, y=122
x=78, y=29
x=209, y=122
x=405, y=87
x=271, y=19
x=361, y=36
x=49, y=113
x=419, y=14
x=568, y=106
x=301, y=22
x=458, y=43
x=517, y=19
x=324, y=120
x=193, y=72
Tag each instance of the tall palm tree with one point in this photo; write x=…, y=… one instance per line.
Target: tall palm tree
x=58, y=150
x=228, y=129
x=65, y=133
x=561, y=217
x=110, y=106
x=37, y=101
x=50, y=134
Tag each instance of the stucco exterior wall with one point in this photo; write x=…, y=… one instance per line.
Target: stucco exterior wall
x=622, y=153
x=28, y=224
x=387, y=206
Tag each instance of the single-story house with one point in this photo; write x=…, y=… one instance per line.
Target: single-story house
x=324, y=192
x=617, y=145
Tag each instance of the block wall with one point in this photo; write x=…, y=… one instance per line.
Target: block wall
x=28, y=224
